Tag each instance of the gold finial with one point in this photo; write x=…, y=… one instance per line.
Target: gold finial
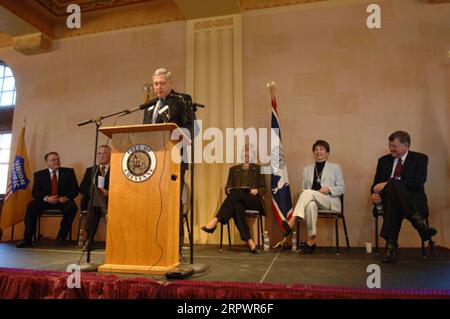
x=271, y=85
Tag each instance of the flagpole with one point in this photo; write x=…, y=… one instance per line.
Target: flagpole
x=281, y=193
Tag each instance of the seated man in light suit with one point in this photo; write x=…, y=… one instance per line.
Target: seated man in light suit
x=322, y=186
x=100, y=193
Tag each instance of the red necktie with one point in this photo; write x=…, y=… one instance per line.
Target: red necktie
x=398, y=169
x=102, y=170
x=54, y=184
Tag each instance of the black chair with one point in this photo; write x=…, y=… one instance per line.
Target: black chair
x=377, y=213
x=327, y=213
x=249, y=214
x=49, y=213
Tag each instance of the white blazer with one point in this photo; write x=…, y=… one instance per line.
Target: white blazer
x=331, y=178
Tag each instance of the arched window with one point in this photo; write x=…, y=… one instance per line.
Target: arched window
x=7, y=102
x=7, y=86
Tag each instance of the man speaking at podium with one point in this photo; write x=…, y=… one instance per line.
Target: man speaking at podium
x=173, y=107
x=168, y=106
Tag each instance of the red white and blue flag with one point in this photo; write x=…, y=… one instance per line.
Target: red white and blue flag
x=281, y=192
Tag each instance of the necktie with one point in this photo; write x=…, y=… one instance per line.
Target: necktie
x=155, y=111
x=54, y=184
x=102, y=170
x=398, y=169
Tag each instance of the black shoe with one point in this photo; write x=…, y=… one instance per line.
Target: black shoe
x=253, y=250
x=425, y=231
x=61, y=240
x=208, y=230
x=391, y=253
x=309, y=249
x=24, y=244
x=287, y=228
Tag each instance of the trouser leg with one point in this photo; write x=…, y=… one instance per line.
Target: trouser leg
x=393, y=214
x=311, y=212
x=34, y=209
x=241, y=221
x=69, y=210
x=226, y=210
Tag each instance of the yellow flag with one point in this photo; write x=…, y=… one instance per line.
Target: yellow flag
x=18, y=192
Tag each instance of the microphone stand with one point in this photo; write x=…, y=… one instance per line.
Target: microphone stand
x=197, y=268
x=88, y=266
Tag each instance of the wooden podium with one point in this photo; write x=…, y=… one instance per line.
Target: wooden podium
x=143, y=211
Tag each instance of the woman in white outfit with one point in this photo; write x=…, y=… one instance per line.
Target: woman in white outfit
x=322, y=186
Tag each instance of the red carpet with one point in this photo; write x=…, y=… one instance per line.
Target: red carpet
x=21, y=284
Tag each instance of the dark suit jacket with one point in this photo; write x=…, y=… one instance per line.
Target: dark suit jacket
x=255, y=180
x=179, y=111
x=86, y=183
x=414, y=176
x=67, y=183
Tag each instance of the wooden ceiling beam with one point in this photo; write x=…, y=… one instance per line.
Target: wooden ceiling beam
x=29, y=15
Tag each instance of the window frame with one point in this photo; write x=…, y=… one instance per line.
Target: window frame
x=11, y=106
x=7, y=112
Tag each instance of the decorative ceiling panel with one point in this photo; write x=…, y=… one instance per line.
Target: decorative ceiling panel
x=58, y=7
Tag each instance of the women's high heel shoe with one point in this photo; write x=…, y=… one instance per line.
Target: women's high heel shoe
x=208, y=230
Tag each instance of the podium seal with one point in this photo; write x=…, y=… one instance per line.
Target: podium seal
x=139, y=163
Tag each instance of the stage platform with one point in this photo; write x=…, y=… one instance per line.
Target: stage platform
x=277, y=266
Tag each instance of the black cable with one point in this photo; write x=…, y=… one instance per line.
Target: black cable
x=160, y=210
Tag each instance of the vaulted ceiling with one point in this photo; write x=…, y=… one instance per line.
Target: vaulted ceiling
x=30, y=26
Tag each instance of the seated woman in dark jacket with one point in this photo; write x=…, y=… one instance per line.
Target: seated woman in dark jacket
x=245, y=189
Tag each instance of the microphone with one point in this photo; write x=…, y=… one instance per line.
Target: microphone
x=198, y=105
x=140, y=107
x=145, y=105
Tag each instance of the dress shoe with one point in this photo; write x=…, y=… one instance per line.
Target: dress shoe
x=253, y=250
x=287, y=228
x=391, y=253
x=61, y=240
x=208, y=230
x=425, y=231
x=24, y=244
x=309, y=249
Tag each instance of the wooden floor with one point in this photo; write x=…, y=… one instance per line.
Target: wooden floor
x=348, y=269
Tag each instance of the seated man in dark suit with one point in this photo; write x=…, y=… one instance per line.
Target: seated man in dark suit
x=54, y=188
x=100, y=175
x=399, y=186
